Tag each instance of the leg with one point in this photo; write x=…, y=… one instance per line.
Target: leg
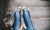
x=17, y=22
x=27, y=19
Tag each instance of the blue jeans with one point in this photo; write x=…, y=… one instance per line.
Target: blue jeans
x=27, y=20
x=17, y=21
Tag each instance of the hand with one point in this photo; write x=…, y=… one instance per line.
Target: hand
x=22, y=25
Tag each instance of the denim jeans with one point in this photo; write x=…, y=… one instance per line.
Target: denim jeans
x=27, y=20
x=17, y=20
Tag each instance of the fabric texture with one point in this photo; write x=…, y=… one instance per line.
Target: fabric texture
x=27, y=29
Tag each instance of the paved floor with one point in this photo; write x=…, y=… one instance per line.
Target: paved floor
x=39, y=12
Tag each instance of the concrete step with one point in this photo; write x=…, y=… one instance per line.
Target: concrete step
x=40, y=23
x=29, y=3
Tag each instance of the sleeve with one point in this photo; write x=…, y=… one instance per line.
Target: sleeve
x=27, y=29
